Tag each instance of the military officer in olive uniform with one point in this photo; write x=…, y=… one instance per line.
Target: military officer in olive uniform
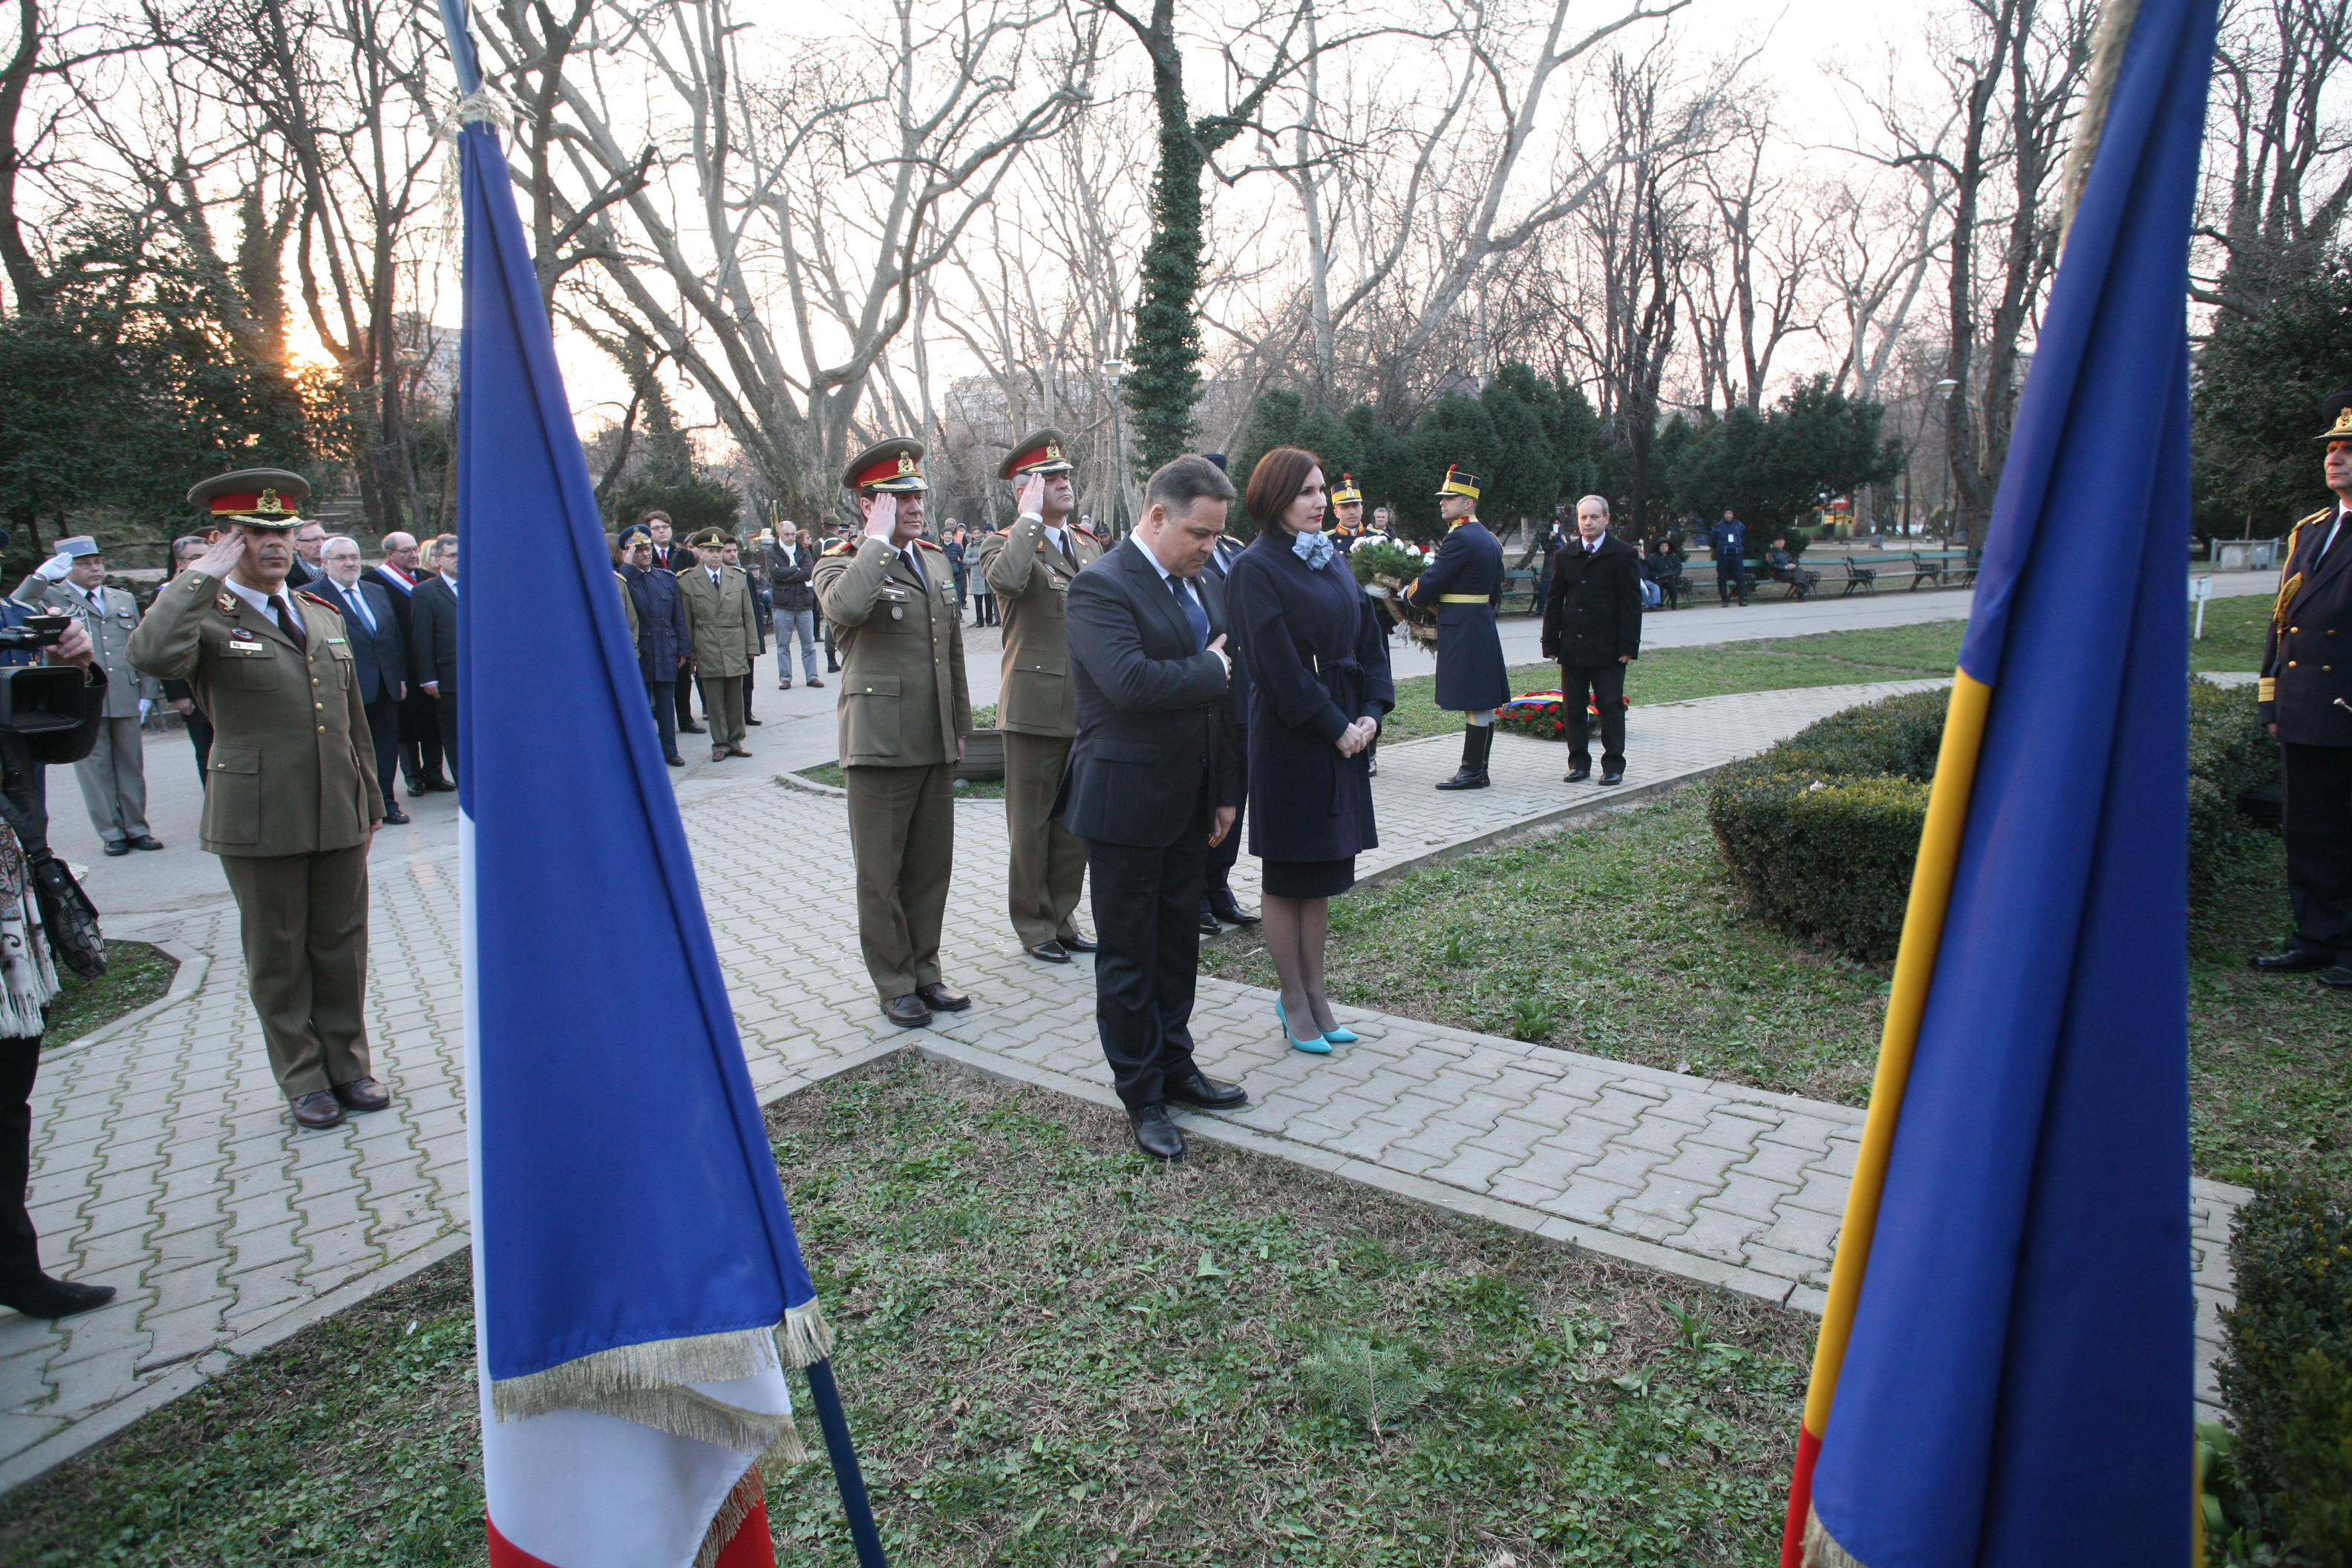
x=2306, y=700
x=291, y=800
x=1464, y=581
x=905, y=711
x=724, y=627
x=1029, y=569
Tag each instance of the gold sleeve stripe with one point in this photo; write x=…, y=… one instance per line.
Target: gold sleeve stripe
x=2266, y=689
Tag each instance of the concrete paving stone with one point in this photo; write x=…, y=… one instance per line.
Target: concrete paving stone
x=180, y=1335
x=1806, y=1133
x=1805, y=1232
x=1820, y=1192
x=1703, y=1164
x=1662, y=1138
x=1618, y=1105
x=132, y=1213
x=1670, y=1198
x=1717, y=1234
x=1749, y=1197
x=1588, y=1199
x=1839, y=1160
x=1773, y=1161
x=1723, y=1130
x=1470, y=1167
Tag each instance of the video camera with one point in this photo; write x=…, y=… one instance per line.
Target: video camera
x=49, y=705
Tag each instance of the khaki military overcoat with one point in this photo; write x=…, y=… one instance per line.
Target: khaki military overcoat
x=1031, y=579
x=292, y=770
x=720, y=620
x=904, y=701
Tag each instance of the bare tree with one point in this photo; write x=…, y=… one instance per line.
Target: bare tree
x=2277, y=177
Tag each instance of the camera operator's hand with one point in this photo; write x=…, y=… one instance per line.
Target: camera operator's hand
x=224, y=553
x=55, y=569
x=73, y=648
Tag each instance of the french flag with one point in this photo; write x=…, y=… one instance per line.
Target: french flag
x=639, y=1290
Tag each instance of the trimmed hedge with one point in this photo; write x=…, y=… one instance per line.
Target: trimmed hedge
x=2286, y=1371
x=1819, y=833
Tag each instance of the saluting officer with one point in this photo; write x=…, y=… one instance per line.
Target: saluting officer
x=1029, y=571
x=1464, y=581
x=292, y=800
x=2306, y=700
x=905, y=711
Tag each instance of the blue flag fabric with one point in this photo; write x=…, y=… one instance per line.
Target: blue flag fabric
x=2018, y=1389
x=626, y=1196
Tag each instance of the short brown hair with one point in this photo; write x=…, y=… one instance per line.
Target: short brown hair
x=1275, y=483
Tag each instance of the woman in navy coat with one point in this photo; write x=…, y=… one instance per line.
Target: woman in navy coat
x=1319, y=670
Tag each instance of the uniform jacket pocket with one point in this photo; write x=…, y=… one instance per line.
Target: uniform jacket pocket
x=233, y=796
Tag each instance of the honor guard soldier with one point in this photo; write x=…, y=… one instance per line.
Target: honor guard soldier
x=1464, y=581
x=905, y=711
x=291, y=799
x=1347, y=514
x=2306, y=700
x=1029, y=571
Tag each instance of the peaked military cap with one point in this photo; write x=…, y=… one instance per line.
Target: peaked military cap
x=259, y=498
x=2338, y=412
x=710, y=539
x=1347, y=494
x=635, y=534
x=1458, y=483
x=1041, y=453
x=894, y=467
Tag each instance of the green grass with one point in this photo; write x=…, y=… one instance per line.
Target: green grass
x=1624, y=940
x=1056, y=1353
x=966, y=789
x=136, y=974
x=2233, y=640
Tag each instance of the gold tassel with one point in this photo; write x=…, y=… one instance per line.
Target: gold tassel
x=1821, y=1550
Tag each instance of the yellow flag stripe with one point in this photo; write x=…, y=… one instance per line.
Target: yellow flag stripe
x=1915, y=967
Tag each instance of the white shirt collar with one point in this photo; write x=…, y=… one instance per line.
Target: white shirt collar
x=255, y=597
x=1165, y=574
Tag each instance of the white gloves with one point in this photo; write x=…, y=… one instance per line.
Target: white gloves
x=54, y=569
x=144, y=704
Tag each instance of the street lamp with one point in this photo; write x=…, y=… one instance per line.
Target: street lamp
x=1114, y=369
x=1944, y=389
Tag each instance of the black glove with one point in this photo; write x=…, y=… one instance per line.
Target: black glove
x=70, y=916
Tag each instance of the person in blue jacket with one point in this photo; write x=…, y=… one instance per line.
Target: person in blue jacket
x=1729, y=541
x=1465, y=583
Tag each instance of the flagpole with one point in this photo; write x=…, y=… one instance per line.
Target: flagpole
x=826, y=1396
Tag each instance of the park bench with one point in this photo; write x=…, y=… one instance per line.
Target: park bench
x=1520, y=581
x=1863, y=577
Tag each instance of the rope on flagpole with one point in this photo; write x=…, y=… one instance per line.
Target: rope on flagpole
x=826, y=1395
x=2116, y=19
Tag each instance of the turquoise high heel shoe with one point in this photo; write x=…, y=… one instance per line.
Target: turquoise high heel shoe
x=1342, y=1035
x=1315, y=1043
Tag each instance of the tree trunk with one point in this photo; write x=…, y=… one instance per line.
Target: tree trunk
x=1164, y=375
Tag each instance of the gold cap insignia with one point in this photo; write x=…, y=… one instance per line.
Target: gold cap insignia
x=906, y=463
x=267, y=503
x=1054, y=449
x=2343, y=422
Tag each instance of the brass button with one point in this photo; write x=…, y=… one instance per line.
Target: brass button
x=322, y=729
x=320, y=706
x=2289, y=664
x=2327, y=670
x=2294, y=628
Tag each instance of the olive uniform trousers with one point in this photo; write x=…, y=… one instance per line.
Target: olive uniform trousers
x=304, y=919
x=1046, y=873
x=722, y=708
x=902, y=835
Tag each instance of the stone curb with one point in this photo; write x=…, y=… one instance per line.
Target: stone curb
x=186, y=981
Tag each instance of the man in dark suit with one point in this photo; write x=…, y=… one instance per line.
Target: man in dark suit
x=398, y=574
x=1217, y=901
x=1152, y=784
x=674, y=559
x=379, y=656
x=2307, y=703
x=1728, y=542
x=1592, y=625
x=433, y=644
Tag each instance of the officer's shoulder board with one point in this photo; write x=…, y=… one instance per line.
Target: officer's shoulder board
x=840, y=547
x=325, y=604
x=930, y=546
x=1083, y=532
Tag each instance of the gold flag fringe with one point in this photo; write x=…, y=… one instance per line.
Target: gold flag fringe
x=588, y=1382
x=808, y=1338
x=684, y=1412
x=1821, y=1550
x=729, y=1518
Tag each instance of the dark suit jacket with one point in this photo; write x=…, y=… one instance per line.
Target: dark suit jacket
x=1217, y=576
x=1592, y=615
x=674, y=558
x=1151, y=709
x=2301, y=681
x=433, y=633
x=381, y=657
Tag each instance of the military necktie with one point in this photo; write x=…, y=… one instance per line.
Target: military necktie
x=908, y=555
x=1067, y=554
x=290, y=623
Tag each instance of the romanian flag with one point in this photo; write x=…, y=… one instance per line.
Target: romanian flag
x=637, y=1287
x=2004, y=1373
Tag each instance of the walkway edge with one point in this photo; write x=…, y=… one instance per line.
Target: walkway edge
x=186, y=981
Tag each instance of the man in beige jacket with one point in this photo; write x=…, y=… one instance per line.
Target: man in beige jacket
x=725, y=627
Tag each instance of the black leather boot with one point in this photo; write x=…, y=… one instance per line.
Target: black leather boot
x=1478, y=742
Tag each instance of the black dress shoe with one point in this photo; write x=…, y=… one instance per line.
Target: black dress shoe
x=1576, y=775
x=2338, y=976
x=146, y=841
x=1074, y=943
x=2294, y=961
x=1615, y=778
x=691, y=730
x=38, y=1295
x=749, y=719
x=674, y=760
x=1051, y=951
x=444, y=785
x=1209, y=926
x=941, y=999
x=1222, y=905
x=117, y=846
x=362, y=1094
x=906, y=1012
x=394, y=817
x=1155, y=1134
x=1197, y=1087
x=317, y=1109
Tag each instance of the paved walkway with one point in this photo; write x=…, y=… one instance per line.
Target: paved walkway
x=164, y=1165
